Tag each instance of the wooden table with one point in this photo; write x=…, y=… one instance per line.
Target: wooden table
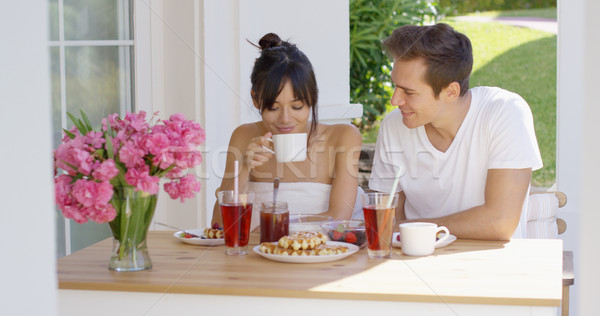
x=468, y=277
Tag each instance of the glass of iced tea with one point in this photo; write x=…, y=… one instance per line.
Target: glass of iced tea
x=236, y=212
x=274, y=221
x=379, y=223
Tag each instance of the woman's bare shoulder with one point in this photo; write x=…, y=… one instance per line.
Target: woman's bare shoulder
x=245, y=132
x=342, y=134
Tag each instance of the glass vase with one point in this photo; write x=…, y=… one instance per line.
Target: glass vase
x=130, y=229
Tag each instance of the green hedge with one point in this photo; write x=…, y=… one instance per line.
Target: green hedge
x=370, y=22
x=468, y=6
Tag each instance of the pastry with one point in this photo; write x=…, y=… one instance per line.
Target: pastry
x=302, y=240
x=321, y=250
x=212, y=233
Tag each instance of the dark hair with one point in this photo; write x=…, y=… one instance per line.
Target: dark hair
x=281, y=62
x=447, y=53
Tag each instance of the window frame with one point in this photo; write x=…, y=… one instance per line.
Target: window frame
x=127, y=50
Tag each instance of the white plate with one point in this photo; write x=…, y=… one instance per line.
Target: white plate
x=310, y=259
x=199, y=241
x=451, y=239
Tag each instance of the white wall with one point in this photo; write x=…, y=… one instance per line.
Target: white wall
x=201, y=65
x=578, y=172
x=169, y=80
x=319, y=28
x=27, y=242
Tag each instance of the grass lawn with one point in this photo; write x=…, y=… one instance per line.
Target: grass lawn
x=547, y=13
x=520, y=60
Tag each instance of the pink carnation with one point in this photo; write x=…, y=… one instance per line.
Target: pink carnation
x=137, y=122
x=188, y=159
x=112, y=119
x=106, y=170
x=183, y=188
x=62, y=190
x=142, y=149
x=92, y=194
x=164, y=160
x=175, y=173
x=84, y=160
x=131, y=155
x=142, y=180
x=177, y=117
x=75, y=213
x=104, y=193
x=95, y=139
x=102, y=215
x=157, y=143
x=83, y=192
x=73, y=156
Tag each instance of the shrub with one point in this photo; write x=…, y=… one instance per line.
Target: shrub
x=370, y=22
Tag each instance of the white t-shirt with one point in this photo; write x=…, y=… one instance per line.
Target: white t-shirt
x=497, y=133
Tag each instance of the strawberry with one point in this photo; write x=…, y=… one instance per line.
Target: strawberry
x=188, y=235
x=337, y=235
x=216, y=226
x=398, y=237
x=350, y=237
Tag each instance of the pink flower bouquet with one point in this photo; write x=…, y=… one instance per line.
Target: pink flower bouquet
x=109, y=173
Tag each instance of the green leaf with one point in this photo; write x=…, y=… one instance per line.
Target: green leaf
x=361, y=60
x=71, y=135
x=70, y=165
x=109, y=145
x=78, y=124
x=88, y=125
x=160, y=174
x=100, y=152
x=370, y=22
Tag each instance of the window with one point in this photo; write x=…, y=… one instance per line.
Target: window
x=92, y=69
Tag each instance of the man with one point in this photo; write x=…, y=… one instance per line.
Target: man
x=466, y=154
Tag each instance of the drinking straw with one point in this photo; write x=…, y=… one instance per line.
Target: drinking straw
x=391, y=197
x=236, y=168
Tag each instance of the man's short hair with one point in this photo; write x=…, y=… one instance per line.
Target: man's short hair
x=446, y=52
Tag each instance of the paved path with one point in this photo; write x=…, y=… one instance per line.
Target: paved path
x=546, y=25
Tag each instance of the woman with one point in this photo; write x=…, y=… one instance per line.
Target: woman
x=284, y=90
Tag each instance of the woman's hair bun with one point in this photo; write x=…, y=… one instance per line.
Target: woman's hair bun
x=269, y=40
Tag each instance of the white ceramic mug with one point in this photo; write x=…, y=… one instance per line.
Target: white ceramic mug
x=290, y=147
x=418, y=238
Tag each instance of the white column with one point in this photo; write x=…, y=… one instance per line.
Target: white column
x=27, y=228
x=570, y=98
x=223, y=102
x=171, y=82
x=586, y=271
x=578, y=172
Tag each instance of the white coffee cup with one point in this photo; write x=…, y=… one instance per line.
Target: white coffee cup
x=290, y=147
x=418, y=238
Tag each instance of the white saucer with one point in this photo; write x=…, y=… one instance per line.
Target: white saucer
x=451, y=239
x=198, y=240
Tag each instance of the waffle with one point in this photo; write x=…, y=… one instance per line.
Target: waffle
x=212, y=233
x=302, y=240
x=321, y=250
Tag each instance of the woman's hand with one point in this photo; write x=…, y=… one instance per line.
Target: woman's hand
x=259, y=151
